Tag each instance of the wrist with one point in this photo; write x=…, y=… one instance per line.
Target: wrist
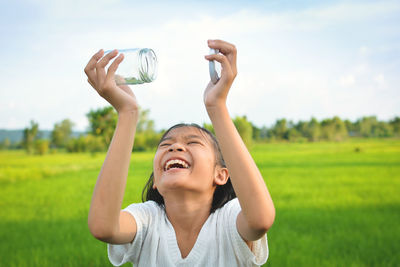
x=216, y=109
x=215, y=104
x=129, y=115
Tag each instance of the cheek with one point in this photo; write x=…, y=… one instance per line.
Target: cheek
x=156, y=163
x=206, y=168
x=157, y=158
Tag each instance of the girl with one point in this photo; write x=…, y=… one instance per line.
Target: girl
x=191, y=216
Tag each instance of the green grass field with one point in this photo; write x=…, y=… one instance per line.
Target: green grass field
x=338, y=204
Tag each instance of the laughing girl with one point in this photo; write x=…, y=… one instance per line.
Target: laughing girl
x=206, y=202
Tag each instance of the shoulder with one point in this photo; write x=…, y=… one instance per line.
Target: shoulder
x=227, y=215
x=150, y=205
x=146, y=215
x=231, y=208
x=232, y=203
x=144, y=211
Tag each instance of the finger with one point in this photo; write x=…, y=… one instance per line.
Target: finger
x=100, y=71
x=225, y=64
x=224, y=47
x=90, y=67
x=227, y=49
x=114, y=66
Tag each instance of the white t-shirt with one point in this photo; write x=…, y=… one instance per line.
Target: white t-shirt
x=218, y=243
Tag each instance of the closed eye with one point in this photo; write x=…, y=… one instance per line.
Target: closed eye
x=194, y=142
x=164, y=144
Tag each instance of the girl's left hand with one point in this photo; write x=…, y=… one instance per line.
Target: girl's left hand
x=216, y=94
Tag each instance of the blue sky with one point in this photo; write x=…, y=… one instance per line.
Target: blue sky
x=296, y=59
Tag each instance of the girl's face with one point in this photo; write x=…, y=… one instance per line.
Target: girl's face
x=185, y=160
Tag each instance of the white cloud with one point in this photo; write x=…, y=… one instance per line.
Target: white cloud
x=364, y=50
x=379, y=79
x=347, y=80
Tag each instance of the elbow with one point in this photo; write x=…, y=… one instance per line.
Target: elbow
x=271, y=219
x=265, y=223
x=100, y=232
x=263, y=226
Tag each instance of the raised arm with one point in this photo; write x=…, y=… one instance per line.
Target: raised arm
x=258, y=212
x=106, y=221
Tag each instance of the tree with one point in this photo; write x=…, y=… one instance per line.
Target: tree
x=264, y=133
x=5, y=144
x=78, y=144
x=41, y=146
x=31, y=134
x=395, y=123
x=145, y=124
x=351, y=129
x=314, y=130
x=294, y=135
x=86, y=143
x=245, y=129
x=146, y=137
x=209, y=127
x=280, y=129
x=256, y=132
x=334, y=129
x=102, y=123
x=382, y=129
x=371, y=127
x=94, y=143
x=364, y=126
x=61, y=133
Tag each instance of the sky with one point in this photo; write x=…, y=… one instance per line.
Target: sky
x=296, y=59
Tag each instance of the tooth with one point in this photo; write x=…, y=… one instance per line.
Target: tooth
x=173, y=161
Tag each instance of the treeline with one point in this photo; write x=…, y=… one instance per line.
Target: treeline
x=333, y=129
x=102, y=123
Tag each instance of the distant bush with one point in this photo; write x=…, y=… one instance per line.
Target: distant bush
x=41, y=146
x=146, y=141
x=61, y=133
x=77, y=144
x=245, y=129
x=86, y=143
x=5, y=144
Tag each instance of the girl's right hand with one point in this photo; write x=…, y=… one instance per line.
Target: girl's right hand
x=120, y=96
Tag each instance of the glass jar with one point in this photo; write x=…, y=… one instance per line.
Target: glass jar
x=138, y=66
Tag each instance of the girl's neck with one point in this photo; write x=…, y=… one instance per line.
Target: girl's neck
x=186, y=214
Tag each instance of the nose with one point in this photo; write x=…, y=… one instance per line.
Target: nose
x=176, y=147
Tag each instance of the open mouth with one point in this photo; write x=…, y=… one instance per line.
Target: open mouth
x=176, y=164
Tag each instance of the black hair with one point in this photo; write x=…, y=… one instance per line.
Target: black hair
x=222, y=193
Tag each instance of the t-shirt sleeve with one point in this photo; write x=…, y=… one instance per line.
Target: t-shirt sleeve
x=144, y=214
x=258, y=255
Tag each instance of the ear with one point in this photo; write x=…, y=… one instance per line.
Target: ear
x=221, y=175
x=154, y=182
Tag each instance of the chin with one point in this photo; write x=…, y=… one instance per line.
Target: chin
x=173, y=182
